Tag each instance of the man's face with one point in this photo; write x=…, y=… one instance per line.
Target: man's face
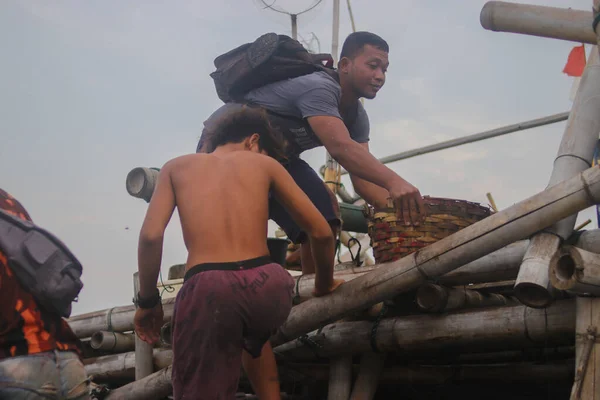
x=367, y=71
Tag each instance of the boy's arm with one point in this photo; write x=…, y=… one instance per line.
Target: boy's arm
x=150, y=243
x=309, y=219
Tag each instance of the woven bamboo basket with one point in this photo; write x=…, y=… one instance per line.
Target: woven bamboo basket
x=392, y=240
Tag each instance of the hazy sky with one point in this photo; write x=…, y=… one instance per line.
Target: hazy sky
x=91, y=89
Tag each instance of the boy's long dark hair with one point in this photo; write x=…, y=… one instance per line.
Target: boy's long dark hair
x=237, y=125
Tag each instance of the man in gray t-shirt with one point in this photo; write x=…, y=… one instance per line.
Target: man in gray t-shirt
x=317, y=110
x=293, y=101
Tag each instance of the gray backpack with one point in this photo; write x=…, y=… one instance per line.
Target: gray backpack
x=42, y=263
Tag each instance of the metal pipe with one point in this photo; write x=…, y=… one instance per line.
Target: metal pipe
x=534, y=123
x=549, y=22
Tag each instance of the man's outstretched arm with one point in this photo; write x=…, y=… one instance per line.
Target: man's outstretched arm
x=370, y=192
x=359, y=162
x=150, y=244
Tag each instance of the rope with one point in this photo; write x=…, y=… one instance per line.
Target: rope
x=527, y=335
x=355, y=259
x=296, y=298
x=109, y=320
x=115, y=342
x=311, y=344
x=99, y=392
x=166, y=288
x=372, y=339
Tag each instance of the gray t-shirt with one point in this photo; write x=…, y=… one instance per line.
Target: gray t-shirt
x=291, y=101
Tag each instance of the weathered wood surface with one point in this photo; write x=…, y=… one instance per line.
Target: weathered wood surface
x=587, y=379
x=122, y=365
x=340, y=378
x=471, y=243
x=575, y=154
x=371, y=367
x=532, y=286
x=502, y=328
x=118, y=319
x=435, y=298
x=576, y=270
x=500, y=265
x=153, y=387
x=550, y=22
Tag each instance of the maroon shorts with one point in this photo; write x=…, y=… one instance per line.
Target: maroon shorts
x=221, y=309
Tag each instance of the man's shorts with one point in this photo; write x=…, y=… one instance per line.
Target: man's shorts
x=221, y=309
x=316, y=190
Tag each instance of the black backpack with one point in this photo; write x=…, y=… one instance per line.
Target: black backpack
x=42, y=263
x=268, y=59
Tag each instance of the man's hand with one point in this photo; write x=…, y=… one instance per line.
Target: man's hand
x=409, y=204
x=147, y=322
x=322, y=292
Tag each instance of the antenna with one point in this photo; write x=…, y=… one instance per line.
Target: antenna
x=293, y=15
x=312, y=44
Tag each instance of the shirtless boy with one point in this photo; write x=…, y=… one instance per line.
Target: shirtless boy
x=234, y=297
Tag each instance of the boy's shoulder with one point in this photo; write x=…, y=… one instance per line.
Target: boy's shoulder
x=251, y=157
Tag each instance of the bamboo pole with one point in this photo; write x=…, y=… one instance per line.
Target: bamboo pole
x=113, y=341
x=143, y=350
x=122, y=365
x=532, y=286
x=331, y=165
x=340, y=378
x=574, y=155
x=549, y=22
x=117, y=319
x=551, y=119
x=140, y=182
x=158, y=385
x=495, y=328
x=468, y=244
x=435, y=298
x=371, y=366
x=587, y=359
x=153, y=387
x=500, y=265
x=576, y=270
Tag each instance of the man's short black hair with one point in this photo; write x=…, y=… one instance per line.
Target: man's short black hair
x=237, y=125
x=355, y=42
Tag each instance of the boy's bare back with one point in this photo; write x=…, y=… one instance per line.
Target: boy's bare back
x=222, y=201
